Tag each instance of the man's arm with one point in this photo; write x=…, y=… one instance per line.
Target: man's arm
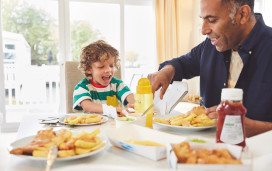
x=254, y=127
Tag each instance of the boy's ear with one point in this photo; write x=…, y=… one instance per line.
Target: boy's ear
x=89, y=71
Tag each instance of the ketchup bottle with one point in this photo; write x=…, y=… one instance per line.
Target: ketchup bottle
x=231, y=115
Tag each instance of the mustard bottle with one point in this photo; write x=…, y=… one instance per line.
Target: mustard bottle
x=143, y=99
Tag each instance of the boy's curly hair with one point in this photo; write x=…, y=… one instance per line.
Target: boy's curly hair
x=97, y=51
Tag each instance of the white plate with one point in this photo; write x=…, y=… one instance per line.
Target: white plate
x=103, y=120
x=184, y=128
x=23, y=141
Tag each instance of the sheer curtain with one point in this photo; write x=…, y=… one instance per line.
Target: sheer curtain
x=177, y=31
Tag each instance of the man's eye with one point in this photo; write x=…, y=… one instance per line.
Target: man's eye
x=212, y=20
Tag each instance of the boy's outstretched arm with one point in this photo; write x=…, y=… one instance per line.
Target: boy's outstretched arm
x=130, y=100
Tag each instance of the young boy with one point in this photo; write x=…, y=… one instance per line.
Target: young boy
x=98, y=62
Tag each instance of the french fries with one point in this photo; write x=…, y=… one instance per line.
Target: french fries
x=66, y=153
x=37, y=153
x=82, y=119
x=195, y=118
x=69, y=146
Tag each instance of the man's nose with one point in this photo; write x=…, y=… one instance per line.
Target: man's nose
x=205, y=28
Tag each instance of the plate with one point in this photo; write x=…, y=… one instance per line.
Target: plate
x=103, y=120
x=177, y=128
x=23, y=141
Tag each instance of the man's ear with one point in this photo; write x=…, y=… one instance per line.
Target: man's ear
x=244, y=14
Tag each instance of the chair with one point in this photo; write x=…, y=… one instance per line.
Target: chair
x=72, y=76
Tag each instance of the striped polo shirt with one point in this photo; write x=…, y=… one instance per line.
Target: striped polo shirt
x=85, y=90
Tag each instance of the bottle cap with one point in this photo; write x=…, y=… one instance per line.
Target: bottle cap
x=232, y=94
x=144, y=86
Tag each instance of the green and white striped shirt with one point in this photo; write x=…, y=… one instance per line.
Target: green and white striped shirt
x=85, y=90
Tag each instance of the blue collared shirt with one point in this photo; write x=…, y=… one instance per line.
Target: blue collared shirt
x=213, y=68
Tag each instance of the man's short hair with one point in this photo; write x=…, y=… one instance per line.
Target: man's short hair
x=240, y=3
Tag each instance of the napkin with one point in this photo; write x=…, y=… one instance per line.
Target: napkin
x=174, y=93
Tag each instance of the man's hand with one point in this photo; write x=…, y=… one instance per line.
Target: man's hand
x=161, y=79
x=211, y=112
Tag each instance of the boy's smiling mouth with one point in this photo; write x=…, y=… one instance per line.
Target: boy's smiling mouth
x=106, y=78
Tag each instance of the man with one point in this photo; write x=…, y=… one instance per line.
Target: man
x=237, y=53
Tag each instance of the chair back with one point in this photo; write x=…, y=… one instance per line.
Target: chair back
x=72, y=77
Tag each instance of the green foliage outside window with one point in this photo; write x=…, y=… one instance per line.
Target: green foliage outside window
x=40, y=30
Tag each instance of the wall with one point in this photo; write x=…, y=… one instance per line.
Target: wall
x=191, y=34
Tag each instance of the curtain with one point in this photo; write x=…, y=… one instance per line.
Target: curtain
x=174, y=24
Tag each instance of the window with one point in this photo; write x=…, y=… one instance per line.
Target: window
x=94, y=21
x=104, y=20
x=56, y=33
x=9, y=56
x=29, y=38
x=263, y=6
x=9, y=46
x=140, y=45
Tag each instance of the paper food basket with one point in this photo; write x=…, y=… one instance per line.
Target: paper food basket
x=236, y=151
x=119, y=136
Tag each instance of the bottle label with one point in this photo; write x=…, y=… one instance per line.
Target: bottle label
x=232, y=131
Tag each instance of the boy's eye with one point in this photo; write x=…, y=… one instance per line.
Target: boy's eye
x=101, y=67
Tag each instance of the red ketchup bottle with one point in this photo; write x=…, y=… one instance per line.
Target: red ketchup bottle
x=231, y=115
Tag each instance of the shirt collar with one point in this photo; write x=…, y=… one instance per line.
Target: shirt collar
x=254, y=36
x=97, y=85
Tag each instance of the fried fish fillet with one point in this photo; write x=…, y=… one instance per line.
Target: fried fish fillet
x=43, y=137
x=187, y=155
x=198, y=110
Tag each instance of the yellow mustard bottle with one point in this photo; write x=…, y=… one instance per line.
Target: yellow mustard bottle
x=143, y=99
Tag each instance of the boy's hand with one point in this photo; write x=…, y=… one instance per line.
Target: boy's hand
x=131, y=106
x=121, y=111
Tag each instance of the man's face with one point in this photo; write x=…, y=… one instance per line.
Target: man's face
x=218, y=25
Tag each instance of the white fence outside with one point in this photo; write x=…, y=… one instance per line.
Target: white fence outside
x=31, y=85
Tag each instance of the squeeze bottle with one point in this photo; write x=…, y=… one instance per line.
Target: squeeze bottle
x=231, y=115
x=143, y=99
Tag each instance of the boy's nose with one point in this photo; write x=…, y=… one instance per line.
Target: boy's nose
x=108, y=69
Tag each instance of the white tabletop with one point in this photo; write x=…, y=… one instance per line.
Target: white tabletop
x=114, y=158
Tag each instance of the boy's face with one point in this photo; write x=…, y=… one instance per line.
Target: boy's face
x=102, y=71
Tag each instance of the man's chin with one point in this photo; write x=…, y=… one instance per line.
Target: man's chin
x=220, y=49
